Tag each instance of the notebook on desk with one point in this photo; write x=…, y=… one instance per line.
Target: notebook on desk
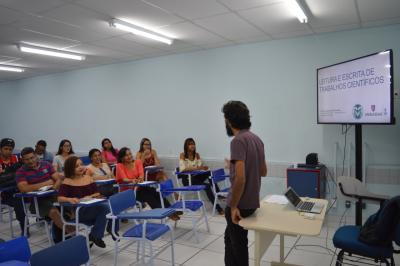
x=302, y=206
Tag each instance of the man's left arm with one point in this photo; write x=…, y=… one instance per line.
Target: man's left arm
x=237, y=190
x=264, y=169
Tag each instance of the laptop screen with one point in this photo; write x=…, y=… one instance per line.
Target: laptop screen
x=292, y=196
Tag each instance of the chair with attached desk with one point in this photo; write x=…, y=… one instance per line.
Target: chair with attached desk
x=354, y=190
x=143, y=232
x=74, y=221
x=276, y=219
x=33, y=198
x=9, y=209
x=189, y=207
x=151, y=169
x=217, y=177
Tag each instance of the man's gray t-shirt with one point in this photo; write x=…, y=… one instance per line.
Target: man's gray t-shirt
x=247, y=147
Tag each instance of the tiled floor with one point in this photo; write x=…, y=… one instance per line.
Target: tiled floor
x=209, y=251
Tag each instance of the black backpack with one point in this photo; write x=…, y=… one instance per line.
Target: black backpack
x=380, y=227
x=7, y=178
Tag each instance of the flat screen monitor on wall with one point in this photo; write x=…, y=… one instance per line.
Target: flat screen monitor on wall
x=358, y=91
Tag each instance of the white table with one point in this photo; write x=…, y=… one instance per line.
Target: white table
x=274, y=219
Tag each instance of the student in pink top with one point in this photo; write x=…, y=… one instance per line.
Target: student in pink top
x=109, y=153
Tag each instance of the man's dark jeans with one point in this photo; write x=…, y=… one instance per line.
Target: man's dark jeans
x=236, y=250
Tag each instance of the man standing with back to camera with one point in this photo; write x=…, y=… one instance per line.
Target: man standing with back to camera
x=247, y=166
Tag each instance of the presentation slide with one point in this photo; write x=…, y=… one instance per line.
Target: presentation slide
x=357, y=91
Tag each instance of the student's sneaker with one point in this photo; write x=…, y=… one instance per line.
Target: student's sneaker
x=97, y=241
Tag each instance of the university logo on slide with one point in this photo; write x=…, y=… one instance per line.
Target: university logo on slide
x=357, y=111
x=373, y=107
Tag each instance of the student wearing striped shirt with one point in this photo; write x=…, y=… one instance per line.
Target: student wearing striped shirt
x=35, y=174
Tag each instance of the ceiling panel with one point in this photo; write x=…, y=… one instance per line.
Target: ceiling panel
x=371, y=10
x=10, y=54
x=133, y=10
x=336, y=28
x=126, y=46
x=176, y=45
x=191, y=9
x=230, y=26
x=194, y=34
x=218, y=45
x=12, y=35
x=325, y=14
x=246, y=4
x=293, y=34
x=255, y=39
x=274, y=19
x=381, y=22
x=97, y=51
x=7, y=15
x=83, y=18
x=57, y=29
x=32, y=6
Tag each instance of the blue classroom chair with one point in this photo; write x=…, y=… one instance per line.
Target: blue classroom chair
x=71, y=252
x=143, y=232
x=190, y=207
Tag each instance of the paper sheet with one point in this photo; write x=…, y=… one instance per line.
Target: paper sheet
x=278, y=199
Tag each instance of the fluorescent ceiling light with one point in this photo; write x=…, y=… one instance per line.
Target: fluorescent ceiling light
x=11, y=68
x=297, y=10
x=137, y=30
x=50, y=52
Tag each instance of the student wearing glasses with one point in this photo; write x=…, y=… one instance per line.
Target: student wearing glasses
x=64, y=151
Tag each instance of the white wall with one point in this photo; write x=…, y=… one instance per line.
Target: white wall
x=170, y=98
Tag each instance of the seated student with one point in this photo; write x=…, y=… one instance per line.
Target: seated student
x=100, y=171
x=35, y=174
x=131, y=171
x=64, y=151
x=8, y=166
x=109, y=153
x=42, y=154
x=149, y=157
x=76, y=186
x=190, y=160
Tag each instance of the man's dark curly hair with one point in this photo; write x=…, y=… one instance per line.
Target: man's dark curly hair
x=237, y=113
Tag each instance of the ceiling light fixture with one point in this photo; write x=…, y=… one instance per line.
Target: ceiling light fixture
x=11, y=68
x=49, y=51
x=137, y=30
x=296, y=8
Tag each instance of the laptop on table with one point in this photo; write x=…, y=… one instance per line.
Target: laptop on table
x=302, y=206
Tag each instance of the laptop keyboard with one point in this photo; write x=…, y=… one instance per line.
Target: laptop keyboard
x=307, y=206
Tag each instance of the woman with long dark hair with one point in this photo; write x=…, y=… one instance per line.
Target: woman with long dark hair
x=189, y=160
x=76, y=186
x=149, y=157
x=64, y=151
x=109, y=153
